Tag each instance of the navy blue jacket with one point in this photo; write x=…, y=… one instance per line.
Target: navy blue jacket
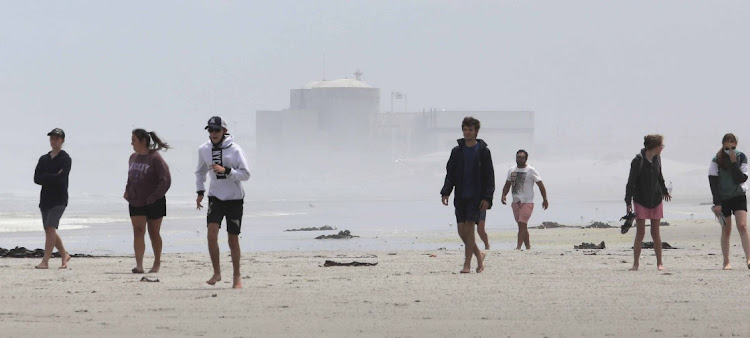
x=52, y=175
x=455, y=172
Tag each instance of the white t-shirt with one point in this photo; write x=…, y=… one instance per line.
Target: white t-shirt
x=522, y=183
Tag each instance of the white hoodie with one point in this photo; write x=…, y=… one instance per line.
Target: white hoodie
x=230, y=156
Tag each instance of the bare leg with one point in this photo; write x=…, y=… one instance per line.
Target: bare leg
x=656, y=236
x=740, y=216
x=234, y=247
x=483, y=235
x=726, y=232
x=154, y=226
x=139, y=243
x=50, y=238
x=64, y=256
x=468, y=249
x=638, y=242
x=526, y=239
x=213, y=251
x=521, y=236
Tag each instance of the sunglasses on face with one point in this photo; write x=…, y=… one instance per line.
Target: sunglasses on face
x=214, y=130
x=730, y=148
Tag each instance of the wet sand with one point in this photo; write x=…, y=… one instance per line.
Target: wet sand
x=552, y=290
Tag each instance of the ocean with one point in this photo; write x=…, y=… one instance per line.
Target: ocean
x=100, y=225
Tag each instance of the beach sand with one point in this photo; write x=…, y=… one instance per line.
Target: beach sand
x=550, y=291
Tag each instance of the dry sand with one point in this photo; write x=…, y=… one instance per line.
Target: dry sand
x=550, y=291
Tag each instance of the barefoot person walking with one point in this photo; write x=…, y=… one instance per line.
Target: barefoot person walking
x=521, y=178
x=225, y=162
x=727, y=177
x=470, y=171
x=51, y=173
x=646, y=189
x=148, y=182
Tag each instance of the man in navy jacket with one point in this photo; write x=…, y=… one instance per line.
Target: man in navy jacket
x=470, y=171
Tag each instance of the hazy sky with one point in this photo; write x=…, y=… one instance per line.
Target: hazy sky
x=595, y=72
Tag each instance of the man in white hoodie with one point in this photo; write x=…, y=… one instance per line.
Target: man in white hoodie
x=227, y=165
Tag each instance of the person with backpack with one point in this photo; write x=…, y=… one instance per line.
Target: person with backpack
x=644, y=193
x=727, y=177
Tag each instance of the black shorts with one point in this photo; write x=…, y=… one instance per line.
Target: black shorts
x=154, y=210
x=467, y=210
x=51, y=217
x=737, y=203
x=232, y=210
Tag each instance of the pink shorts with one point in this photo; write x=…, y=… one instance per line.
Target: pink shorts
x=642, y=212
x=522, y=211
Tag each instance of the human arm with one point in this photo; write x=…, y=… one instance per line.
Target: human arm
x=543, y=191
x=631, y=185
x=164, y=180
x=236, y=171
x=200, y=180
x=488, y=180
x=506, y=189
x=665, y=192
x=448, y=184
x=738, y=168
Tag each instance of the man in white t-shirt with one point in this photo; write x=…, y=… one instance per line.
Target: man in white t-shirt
x=521, y=178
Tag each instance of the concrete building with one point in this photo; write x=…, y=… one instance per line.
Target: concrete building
x=326, y=118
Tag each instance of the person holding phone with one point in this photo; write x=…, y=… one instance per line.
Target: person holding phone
x=727, y=177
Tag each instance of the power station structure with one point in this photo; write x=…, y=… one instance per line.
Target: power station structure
x=343, y=116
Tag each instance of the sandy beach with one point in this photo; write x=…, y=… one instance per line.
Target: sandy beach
x=550, y=291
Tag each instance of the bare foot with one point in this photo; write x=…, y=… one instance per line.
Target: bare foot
x=42, y=266
x=487, y=247
x=136, y=270
x=634, y=268
x=65, y=261
x=660, y=267
x=237, y=283
x=727, y=266
x=154, y=269
x=466, y=269
x=480, y=263
x=216, y=277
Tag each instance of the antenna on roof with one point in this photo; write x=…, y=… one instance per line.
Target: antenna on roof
x=358, y=75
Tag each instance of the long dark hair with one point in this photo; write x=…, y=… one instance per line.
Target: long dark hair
x=721, y=157
x=142, y=134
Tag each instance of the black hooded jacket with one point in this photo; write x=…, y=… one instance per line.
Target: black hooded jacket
x=52, y=174
x=455, y=172
x=645, y=182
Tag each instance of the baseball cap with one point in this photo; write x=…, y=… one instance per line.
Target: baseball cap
x=216, y=122
x=57, y=132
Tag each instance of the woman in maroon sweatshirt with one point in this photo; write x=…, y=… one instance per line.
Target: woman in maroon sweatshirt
x=148, y=182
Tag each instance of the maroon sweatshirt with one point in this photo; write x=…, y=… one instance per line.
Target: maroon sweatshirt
x=148, y=179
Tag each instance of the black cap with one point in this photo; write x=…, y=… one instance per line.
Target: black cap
x=57, y=132
x=216, y=122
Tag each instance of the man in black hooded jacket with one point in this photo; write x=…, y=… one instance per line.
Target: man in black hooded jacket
x=470, y=171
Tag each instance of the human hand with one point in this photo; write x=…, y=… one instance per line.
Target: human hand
x=484, y=205
x=716, y=209
x=502, y=200
x=218, y=169
x=667, y=197
x=629, y=209
x=545, y=204
x=733, y=156
x=445, y=200
x=198, y=201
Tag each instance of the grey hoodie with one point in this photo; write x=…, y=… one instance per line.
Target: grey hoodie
x=225, y=186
